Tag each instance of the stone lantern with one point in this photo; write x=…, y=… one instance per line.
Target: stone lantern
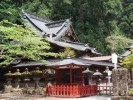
x=89, y=73
x=109, y=73
x=98, y=75
x=36, y=75
x=17, y=76
x=8, y=87
x=26, y=77
x=8, y=78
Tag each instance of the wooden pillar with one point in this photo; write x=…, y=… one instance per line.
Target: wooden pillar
x=82, y=76
x=55, y=76
x=70, y=75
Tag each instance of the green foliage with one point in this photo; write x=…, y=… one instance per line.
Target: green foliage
x=130, y=91
x=19, y=42
x=127, y=62
x=68, y=52
x=9, y=12
x=118, y=43
x=38, y=7
x=126, y=19
x=61, y=9
x=94, y=20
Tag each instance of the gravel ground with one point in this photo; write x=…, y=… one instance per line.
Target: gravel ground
x=83, y=98
x=12, y=96
x=16, y=96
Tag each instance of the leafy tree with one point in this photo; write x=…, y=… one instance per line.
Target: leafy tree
x=41, y=8
x=9, y=12
x=127, y=62
x=61, y=9
x=19, y=42
x=126, y=19
x=95, y=20
x=118, y=43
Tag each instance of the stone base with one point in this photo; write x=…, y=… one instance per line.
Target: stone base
x=32, y=91
x=121, y=98
x=17, y=91
x=8, y=89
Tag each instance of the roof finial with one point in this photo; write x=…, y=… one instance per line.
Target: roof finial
x=51, y=35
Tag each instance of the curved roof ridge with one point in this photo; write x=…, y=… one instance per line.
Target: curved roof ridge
x=37, y=17
x=77, y=43
x=47, y=21
x=54, y=22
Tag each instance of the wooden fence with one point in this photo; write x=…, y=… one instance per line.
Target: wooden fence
x=105, y=90
x=71, y=90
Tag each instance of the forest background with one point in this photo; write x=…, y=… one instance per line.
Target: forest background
x=106, y=25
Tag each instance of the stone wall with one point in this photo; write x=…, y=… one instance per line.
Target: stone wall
x=120, y=80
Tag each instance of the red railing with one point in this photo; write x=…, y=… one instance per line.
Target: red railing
x=71, y=90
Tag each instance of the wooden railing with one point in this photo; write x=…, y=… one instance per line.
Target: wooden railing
x=71, y=90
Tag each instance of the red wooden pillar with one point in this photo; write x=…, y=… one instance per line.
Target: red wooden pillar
x=55, y=76
x=82, y=76
x=70, y=75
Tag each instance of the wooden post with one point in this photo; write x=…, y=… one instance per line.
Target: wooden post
x=57, y=74
x=82, y=76
x=70, y=75
x=120, y=83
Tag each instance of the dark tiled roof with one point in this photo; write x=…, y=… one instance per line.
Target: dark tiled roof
x=49, y=27
x=61, y=62
x=74, y=45
x=100, y=58
x=40, y=25
x=29, y=63
x=55, y=23
x=68, y=62
x=128, y=52
x=55, y=30
x=100, y=63
x=129, y=47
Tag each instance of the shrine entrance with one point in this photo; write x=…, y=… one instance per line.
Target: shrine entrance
x=69, y=80
x=69, y=76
